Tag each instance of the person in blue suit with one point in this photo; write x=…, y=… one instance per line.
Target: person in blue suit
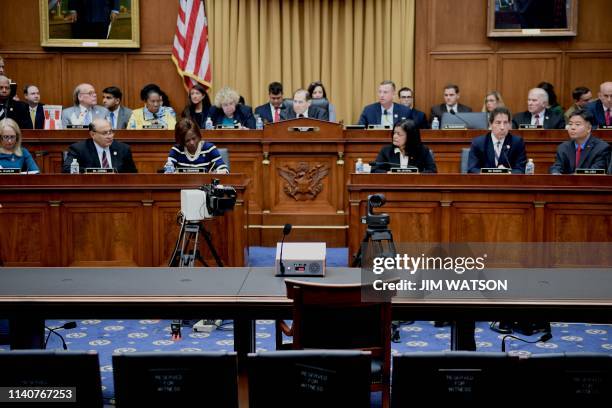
x=91, y=18
x=498, y=148
x=385, y=111
x=271, y=111
x=601, y=109
x=406, y=98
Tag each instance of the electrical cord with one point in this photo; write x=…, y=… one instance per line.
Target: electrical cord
x=543, y=338
x=67, y=326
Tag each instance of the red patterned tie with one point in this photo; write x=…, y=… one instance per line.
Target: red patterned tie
x=578, y=150
x=104, y=160
x=608, y=118
x=537, y=120
x=276, y=115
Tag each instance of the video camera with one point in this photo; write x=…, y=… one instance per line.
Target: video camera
x=208, y=201
x=376, y=221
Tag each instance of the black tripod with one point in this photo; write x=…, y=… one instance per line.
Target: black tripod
x=381, y=241
x=189, y=251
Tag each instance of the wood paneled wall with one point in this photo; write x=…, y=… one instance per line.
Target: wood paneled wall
x=452, y=47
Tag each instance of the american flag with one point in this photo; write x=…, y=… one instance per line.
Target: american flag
x=190, y=52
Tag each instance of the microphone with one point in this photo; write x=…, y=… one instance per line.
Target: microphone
x=67, y=326
x=467, y=124
x=505, y=153
x=543, y=338
x=286, y=231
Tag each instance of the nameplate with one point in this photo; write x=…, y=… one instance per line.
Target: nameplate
x=154, y=126
x=495, y=170
x=526, y=126
x=227, y=127
x=378, y=127
x=354, y=127
x=455, y=126
x=10, y=171
x=303, y=129
x=404, y=170
x=590, y=171
x=77, y=126
x=98, y=170
x=606, y=127
x=191, y=170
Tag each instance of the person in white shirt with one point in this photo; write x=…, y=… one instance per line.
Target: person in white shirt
x=85, y=108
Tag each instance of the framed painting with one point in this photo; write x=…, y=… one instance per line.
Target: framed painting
x=89, y=23
x=532, y=18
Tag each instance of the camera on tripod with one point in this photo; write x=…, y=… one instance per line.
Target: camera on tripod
x=208, y=201
x=376, y=221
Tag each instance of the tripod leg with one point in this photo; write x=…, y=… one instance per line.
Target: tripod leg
x=357, y=260
x=211, y=247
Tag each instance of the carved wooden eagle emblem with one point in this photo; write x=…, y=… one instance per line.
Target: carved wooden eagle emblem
x=303, y=182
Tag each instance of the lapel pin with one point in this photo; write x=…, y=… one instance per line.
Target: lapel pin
x=114, y=153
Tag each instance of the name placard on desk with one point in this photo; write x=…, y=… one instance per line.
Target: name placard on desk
x=606, y=127
x=225, y=127
x=77, y=126
x=10, y=171
x=590, y=171
x=191, y=170
x=354, y=127
x=455, y=126
x=404, y=170
x=98, y=170
x=529, y=126
x=378, y=127
x=304, y=129
x=154, y=126
x=495, y=170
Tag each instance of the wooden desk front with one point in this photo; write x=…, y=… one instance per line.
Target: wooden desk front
x=108, y=220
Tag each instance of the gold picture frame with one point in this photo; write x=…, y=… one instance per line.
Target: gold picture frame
x=87, y=24
x=532, y=18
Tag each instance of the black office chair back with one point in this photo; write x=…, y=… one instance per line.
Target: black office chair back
x=44, y=369
x=175, y=379
x=312, y=378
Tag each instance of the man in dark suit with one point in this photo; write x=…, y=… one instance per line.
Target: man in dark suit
x=406, y=98
x=16, y=110
x=91, y=18
x=31, y=95
x=302, y=109
x=601, y=109
x=498, y=148
x=271, y=111
x=451, y=103
x=537, y=114
x=101, y=151
x=118, y=115
x=583, y=150
x=385, y=111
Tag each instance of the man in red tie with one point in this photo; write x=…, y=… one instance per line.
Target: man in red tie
x=601, y=109
x=538, y=114
x=271, y=112
x=583, y=150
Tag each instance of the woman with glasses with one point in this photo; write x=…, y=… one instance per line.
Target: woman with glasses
x=12, y=155
x=229, y=112
x=317, y=93
x=154, y=114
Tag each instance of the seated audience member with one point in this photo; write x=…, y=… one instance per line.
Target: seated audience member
x=405, y=150
x=601, y=109
x=492, y=100
x=198, y=105
x=154, y=114
x=228, y=112
x=191, y=151
x=31, y=96
x=2, y=72
x=12, y=109
x=537, y=114
x=581, y=96
x=583, y=150
x=498, y=148
x=85, y=108
x=303, y=109
x=12, y=155
x=271, y=112
x=406, y=98
x=100, y=151
x=451, y=103
x=317, y=91
x=553, y=103
x=118, y=115
x=385, y=112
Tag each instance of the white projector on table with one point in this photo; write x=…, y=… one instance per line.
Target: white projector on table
x=301, y=259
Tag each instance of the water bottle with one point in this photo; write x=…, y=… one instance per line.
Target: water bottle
x=259, y=123
x=209, y=124
x=530, y=167
x=169, y=167
x=74, y=167
x=359, y=166
x=435, y=123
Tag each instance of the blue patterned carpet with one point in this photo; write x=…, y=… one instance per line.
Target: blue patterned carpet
x=109, y=336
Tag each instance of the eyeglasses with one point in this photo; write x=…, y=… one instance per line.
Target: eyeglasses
x=90, y=93
x=9, y=137
x=107, y=133
x=406, y=97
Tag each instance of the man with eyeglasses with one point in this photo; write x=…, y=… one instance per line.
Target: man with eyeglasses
x=85, y=108
x=101, y=151
x=601, y=109
x=406, y=98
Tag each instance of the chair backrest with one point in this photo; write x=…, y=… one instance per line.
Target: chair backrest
x=288, y=103
x=43, y=369
x=313, y=378
x=322, y=103
x=175, y=379
x=225, y=156
x=445, y=377
x=465, y=155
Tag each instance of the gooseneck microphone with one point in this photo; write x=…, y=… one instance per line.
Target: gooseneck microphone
x=67, y=326
x=286, y=231
x=505, y=152
x=467, y=124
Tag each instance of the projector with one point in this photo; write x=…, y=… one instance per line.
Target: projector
x=301, y=259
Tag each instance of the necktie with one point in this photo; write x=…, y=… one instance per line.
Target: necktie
x=301, y=115
x=33, y=117
x=608, y=118
x=104, y=160
x=497, y=152
x=537, y=119
x=87, y=119
x=112, y=120
x=385, y=118
x=577, y=164
x=452, y=111
x=276, y=114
